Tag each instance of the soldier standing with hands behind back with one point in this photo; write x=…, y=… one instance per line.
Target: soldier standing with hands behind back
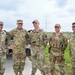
x=72, y=48
x=3, y=47
x=20, y=36
x=58, y=43
x=38, y=41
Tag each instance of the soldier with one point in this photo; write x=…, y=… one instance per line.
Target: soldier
x=3, y=47
x=72, y=48
x=20, y=36
x=38, y=41
x=58, y=43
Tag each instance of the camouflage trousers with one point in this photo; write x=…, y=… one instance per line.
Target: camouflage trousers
x=2, y=62
x=60, y=61
x=38, y=57
x=19, y=62
x=73, y=66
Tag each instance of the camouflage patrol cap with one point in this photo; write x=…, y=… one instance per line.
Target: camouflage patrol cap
x=57, y=25
x=35, y=21
x=1, y=23
x=73, y=24
x=19, y=21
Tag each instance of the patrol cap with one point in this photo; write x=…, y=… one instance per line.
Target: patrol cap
x=57, y=25
x=73, y=24
x=1, y=23
x=19, y=21
x=35, y=21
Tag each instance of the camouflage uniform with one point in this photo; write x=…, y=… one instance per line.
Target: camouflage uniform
x=3, y=46
x=57, y=46
x=72, y=48
x=38, y=42
x=72, y=51
x=19, y=55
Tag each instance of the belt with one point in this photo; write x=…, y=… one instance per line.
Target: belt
x=38, y=45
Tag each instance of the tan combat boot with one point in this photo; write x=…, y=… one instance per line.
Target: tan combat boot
x=20, y=73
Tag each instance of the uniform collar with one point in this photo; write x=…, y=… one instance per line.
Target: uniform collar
x=58, y=35
x=2, y=32
x=37, y=31
x=18, y=29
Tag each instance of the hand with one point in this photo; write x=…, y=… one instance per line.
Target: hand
x=25, y=45
x=7, y=51
x=12, y=46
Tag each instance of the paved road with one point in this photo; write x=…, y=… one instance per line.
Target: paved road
x=27, y=70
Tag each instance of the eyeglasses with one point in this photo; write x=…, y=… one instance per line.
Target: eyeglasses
x=20, y=23
x=57, y=27
x=73, y=26
x=1, y=24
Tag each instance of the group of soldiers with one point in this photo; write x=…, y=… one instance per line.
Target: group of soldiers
x=38, y=40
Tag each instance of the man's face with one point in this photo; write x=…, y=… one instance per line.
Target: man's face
x=73, y=28
x=19, y=25
x=57, y=29
x=1, y=27
x=36, y=25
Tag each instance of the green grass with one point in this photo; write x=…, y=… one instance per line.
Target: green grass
x=67, y=56
x=46, y=52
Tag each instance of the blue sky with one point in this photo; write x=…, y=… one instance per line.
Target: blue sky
x=48, y=12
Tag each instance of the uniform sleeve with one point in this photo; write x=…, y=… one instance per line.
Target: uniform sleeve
x=70, y=49
x=50, y=40
x=45, y=38
x=27, y=38
x=7, y=41
x=65, y=41
x=30, y=35
x=10, y=35
x=70, y=46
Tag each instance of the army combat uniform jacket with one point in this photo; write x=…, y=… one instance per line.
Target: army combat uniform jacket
x=72, y=45
x=38, y=38
x=58, y=44
x=20, y=39
x=3, y=48
x=3, y=42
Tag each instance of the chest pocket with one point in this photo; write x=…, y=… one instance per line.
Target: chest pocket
x=3, y=37
x=37, y=38
x=57, y=42
x=19, y=37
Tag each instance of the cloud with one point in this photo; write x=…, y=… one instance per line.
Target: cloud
x=61, y=3
x=48, y=12
x=70, y=8
x=10, y=4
